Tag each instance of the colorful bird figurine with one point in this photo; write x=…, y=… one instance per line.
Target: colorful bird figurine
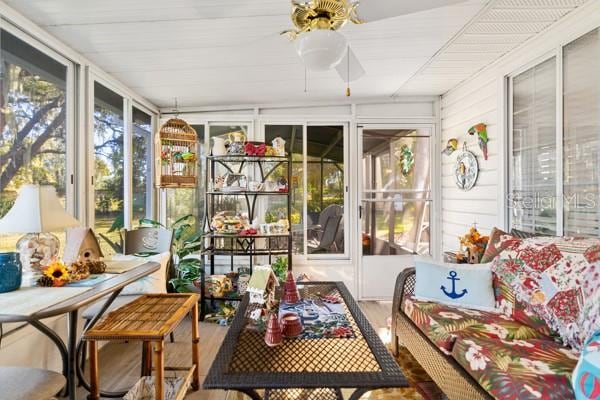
x=482, y=139
x=450, y=147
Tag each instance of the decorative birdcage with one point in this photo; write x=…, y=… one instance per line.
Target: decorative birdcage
x=177, y=146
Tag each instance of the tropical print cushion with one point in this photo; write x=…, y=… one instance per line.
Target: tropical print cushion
x=519, y=311
x=442, y=324
x=546, y=274
x=586, y=377
x=518, y=369
x=493, y=247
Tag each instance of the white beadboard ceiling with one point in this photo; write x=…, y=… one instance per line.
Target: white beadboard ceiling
x=228, y=52
x=499, y=28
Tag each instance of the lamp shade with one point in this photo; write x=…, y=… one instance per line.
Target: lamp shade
x=36, y=210
x=321, y=49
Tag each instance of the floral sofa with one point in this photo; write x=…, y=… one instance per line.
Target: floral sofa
x=547, y=297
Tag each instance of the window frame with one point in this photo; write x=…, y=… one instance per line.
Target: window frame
x=556, y=54
x=128, y=104
x=72, y=142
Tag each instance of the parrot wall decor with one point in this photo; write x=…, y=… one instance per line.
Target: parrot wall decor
x=450, y=147
x=482, y=137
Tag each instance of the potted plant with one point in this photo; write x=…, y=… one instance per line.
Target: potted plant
x=186, y=242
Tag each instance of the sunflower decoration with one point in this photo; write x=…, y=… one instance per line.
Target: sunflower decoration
x=57, y=272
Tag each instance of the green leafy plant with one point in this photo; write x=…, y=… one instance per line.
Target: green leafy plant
x=186, y=241
x=280, y=267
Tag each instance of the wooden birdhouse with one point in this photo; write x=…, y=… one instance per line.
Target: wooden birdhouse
x=177, y=145
x=261, y=286
x=81, y=245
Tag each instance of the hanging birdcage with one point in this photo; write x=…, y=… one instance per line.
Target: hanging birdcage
x=178, y=145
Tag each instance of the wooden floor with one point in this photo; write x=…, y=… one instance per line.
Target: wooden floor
x=120, y=362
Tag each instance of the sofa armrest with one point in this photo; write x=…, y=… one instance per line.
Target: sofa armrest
x=405, y=286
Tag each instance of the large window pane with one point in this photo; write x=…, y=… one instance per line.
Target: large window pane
x=142, y=164
x=293, y=136
x=325, y=189
x=533, y=171
x=32, y=122
x=109, y=153
x=582, y=136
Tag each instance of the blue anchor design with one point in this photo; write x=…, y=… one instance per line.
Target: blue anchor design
x=453, y=295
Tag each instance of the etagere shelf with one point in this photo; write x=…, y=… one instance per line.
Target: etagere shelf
x=234, y=245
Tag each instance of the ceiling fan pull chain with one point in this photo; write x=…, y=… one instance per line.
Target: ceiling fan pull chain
x=348, y=75
x=305, y=80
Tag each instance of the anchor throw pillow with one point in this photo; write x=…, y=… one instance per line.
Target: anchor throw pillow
x=461, y=285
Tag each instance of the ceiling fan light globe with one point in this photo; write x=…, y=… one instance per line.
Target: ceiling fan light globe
x=321, y=49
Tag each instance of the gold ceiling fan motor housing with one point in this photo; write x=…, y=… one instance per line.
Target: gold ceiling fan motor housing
x=321, y=14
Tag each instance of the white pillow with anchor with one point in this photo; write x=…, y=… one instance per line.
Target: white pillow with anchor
x=461, y=285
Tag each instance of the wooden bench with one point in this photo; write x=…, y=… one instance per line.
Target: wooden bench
x=149, y=319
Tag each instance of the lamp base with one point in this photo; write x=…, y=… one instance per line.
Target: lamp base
x=37, y=250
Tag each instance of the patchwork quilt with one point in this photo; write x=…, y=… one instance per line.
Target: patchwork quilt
x=546, y=275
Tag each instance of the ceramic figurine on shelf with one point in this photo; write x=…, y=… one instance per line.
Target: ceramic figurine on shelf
x=279, y=146
x=482, y=137
x=451, y=146
x=273, y=334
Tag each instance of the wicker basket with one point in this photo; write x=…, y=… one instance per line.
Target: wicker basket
x=178, y=162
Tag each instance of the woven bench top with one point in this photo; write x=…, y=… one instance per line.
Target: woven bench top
x=150, y=317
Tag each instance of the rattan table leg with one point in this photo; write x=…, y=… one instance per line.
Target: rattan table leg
x=146, y=358
x=195, y=348
x=94, y=375
x=159, y=361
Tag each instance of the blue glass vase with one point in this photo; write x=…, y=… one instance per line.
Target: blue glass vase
x=10, y=272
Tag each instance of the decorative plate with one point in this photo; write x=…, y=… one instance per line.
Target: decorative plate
x=466, y=170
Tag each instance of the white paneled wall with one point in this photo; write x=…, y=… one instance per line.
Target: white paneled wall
x=462, y=108
x=482, y=99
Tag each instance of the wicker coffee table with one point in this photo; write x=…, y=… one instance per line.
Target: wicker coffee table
x=305, y=368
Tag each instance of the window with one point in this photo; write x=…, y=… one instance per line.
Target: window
x=533, y=169
x=33, y=114
x=141, y=164
x=546, y=198
x=581, y=142
x=109, y=155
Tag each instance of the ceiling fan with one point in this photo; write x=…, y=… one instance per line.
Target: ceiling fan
x=317, y=22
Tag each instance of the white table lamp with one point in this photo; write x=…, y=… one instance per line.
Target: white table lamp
x=37, y=212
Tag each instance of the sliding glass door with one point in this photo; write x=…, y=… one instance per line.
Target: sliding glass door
x=318, y=187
